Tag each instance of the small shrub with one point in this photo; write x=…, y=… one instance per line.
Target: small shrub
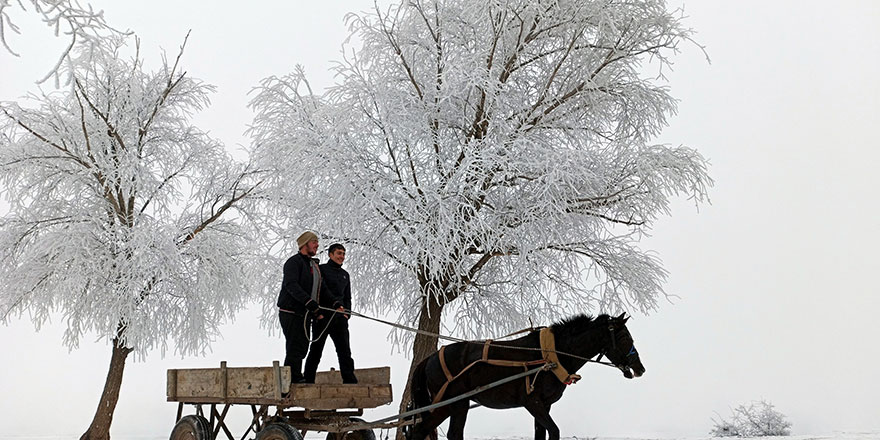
x=756, y=419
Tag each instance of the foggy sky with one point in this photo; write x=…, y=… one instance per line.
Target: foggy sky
x=772, y=286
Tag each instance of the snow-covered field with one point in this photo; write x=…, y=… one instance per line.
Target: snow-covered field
x=833, y=436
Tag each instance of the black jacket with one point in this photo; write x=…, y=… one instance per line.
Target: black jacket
x=296, y=287
x=337, y=281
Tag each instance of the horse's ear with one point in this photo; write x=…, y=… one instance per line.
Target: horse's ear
x=622, y=318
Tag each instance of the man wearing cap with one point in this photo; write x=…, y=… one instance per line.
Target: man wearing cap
x=336, y=325
x=302, y=291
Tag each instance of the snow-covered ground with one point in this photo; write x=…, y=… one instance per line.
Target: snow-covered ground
x=832, y=436
x=315, y=436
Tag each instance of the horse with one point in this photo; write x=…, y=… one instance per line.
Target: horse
x=577, y=340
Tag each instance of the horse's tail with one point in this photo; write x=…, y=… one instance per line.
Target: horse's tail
x=421, y=397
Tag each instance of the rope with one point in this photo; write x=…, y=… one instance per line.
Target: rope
x=454, y=339
x=315, y=319
x=394, y=324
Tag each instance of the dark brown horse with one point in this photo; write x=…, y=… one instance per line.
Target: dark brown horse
x=577, y=340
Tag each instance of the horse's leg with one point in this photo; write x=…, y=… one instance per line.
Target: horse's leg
x=541, y=413
x=540, y=431
x=458, y=415
x=427, y=428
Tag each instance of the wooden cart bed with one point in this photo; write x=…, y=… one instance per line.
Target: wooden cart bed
x=267, y=386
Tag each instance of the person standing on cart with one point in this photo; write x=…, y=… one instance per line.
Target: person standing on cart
x=335, y=325
x=302, y=291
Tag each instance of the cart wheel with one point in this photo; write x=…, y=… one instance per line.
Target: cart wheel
x=191, y=427
x=279, y=431
x=360, y=434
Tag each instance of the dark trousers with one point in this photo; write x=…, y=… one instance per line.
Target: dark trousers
x=296, y=338
x=337, y=329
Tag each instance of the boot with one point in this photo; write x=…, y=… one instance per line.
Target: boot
x=296, y=375
x=309, y=376
x=349, y=377
x=311, y=368
x=346, y=368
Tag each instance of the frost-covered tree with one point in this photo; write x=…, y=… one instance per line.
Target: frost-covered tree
x=755, y=419
x=78, y=22
x=124, y=218
x=489, y=161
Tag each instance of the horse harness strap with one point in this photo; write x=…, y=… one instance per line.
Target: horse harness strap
x=548, y=353
x=484, y=359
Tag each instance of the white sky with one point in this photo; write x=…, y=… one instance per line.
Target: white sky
x=775, y=280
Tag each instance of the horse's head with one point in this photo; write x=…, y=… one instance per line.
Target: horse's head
x=621, y=349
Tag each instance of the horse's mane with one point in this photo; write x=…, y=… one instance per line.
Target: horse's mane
x=577, y=324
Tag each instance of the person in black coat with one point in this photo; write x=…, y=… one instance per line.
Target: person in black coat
x=302, y=291
x=335, y=325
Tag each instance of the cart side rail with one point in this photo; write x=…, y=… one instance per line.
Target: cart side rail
x=224, y=384
x=365, y=376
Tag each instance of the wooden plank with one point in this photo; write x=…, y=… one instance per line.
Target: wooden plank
x=378, y=395
x=262, y=386
x=243, y=401
x=276, y=379
x=297, y=416
x=171, y=390
x=304, y=392
x=381, y=392
x=339, y=396
x=234, y=383
x=365, y=376
x=336, y=391
x=202, y=382
x=255, y=382
x=339, y=403
x=224, y=381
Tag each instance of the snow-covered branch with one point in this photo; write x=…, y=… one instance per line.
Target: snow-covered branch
x=488, y=155
x=124, y=217
x=78, y=22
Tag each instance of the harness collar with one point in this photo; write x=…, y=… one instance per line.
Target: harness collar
x=548, y=353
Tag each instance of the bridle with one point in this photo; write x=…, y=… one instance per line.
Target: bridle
x=632, y=350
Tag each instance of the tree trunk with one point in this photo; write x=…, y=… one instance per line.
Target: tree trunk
x=100, y=427
x=423, y=345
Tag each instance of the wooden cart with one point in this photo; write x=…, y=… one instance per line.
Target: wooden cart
x=279, y=412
